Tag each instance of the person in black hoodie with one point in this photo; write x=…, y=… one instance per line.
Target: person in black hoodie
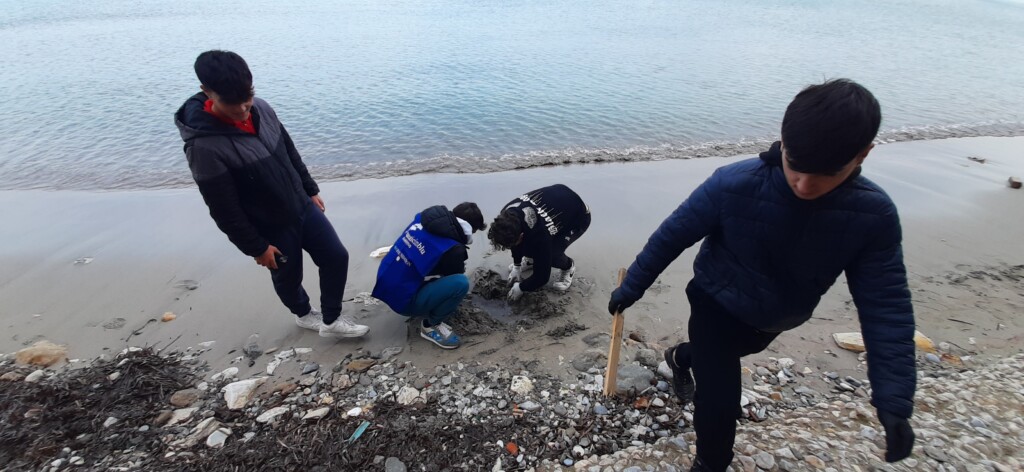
x=446, y=284
x=259, y=192
x=538, y=227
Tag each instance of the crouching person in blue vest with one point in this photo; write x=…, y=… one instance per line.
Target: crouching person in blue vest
x=424, y=273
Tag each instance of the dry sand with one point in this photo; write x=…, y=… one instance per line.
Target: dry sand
x=962, y=226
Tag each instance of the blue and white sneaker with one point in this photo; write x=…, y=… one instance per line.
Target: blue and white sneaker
x=442, y=335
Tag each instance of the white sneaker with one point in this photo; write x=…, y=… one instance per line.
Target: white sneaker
x=312, y=320
x=343, y=327
x=565, y=280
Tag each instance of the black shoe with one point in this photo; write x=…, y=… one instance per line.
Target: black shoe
x=698, y=466
x=682, y=381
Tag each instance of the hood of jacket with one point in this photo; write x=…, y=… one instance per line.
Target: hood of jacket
x=193, y=121
x=438, y=220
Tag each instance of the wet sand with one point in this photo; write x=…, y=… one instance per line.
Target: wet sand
x=962, y=230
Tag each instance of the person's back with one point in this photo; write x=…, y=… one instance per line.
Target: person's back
x=778, y=231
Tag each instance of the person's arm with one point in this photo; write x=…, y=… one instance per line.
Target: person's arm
x=308, y=184
x=221, y=196
x=540, y=240
x=694, y=219
x=878, y=283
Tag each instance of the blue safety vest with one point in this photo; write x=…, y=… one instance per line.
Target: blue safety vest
x=411, y=258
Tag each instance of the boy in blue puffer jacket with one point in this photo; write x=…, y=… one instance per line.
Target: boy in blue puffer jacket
x=778, y=231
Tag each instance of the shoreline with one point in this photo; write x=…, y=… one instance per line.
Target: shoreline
x=178, y=177
x=147, y=247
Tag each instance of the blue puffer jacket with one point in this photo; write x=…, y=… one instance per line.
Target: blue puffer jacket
x=768, y=257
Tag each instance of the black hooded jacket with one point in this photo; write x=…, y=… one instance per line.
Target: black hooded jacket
x=250, y=182
x=440, y=221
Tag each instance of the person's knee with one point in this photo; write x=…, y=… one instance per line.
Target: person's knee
x=460, y=284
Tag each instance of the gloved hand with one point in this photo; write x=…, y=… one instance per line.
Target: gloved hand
x=899, y=436
x=515, y=293
x=514, y=271
x=619, y=302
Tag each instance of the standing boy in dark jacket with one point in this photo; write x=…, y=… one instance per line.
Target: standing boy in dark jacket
x=778, y=231
x=424, y=273
x=259, y=191
x=538, y=227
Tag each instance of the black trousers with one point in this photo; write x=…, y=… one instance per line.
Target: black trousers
x=717, y=342
x=315, y=235
x=558, y=258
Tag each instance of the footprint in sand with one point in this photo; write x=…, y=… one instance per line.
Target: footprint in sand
x=116, y=323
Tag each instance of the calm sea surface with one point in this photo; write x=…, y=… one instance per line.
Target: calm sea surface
x=374, y=88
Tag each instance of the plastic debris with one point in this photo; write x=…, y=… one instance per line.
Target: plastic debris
x=358, y=432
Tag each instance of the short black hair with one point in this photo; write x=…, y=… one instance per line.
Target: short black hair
x=505, y=230
x=227, y=74
x=826, y=126
x=471, y=214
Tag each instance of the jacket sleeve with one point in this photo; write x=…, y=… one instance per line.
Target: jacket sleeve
x=540, y=242
x=218, y=190
x=694, y=219
x=452, y=262
x=308, y=184
x=878, y=283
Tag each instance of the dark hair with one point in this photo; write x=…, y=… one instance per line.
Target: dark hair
x=826, y=126
x=505, y=230
x=469, y=212
x=227, y=74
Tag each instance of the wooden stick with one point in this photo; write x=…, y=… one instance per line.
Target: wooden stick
x=611, y=374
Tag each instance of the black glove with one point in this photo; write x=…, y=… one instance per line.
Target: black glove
x=619, y=302
x=899, y=436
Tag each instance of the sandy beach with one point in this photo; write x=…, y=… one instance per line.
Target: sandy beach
x=962, y=230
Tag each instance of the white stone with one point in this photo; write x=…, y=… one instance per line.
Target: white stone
x=114, y=376
x=217, y=438
x=180, y=415
x=316, y=414
x=77, y=460
x=272, y=366
x=408, y=395
x=355, y=412
x=786, y=363
x=521, y=385
x=237, y=394
x=271, y=414
x=664, y=370
x=35, y=376
x=111, y=421
x=225, y=374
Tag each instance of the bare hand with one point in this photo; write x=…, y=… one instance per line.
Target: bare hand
x=319, y=202
x=269, y=257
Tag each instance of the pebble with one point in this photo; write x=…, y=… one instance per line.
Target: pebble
x=35, y=376
x=529, y=406
x=658, y=403
x=764, y=460
x=77, y=460
x=310, y=367
x=111, y=421
x=393, y=464
x=599, y=409
x=932, y=358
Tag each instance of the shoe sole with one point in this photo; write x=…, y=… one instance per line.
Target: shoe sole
x=342, y=335
x=684, y=390
x=442, y=346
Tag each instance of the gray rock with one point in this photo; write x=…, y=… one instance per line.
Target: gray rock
x=567, y=462
x=389, y=353
x=933, y=358
x=310, y=367
x=588, y=360
x=420, y=383
x=868, y=433
x=217, y=438
x=561, y=410
x=764, y=460
x=680, y=444
x=662, y=386
x=597, y=339
x=393, y=464
x=763, y=371
x=647, y=357
x=599, y=409
x=634, y=377
x=658, y=403
x=978, y=422
x=936, y=453
x=529, y=406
